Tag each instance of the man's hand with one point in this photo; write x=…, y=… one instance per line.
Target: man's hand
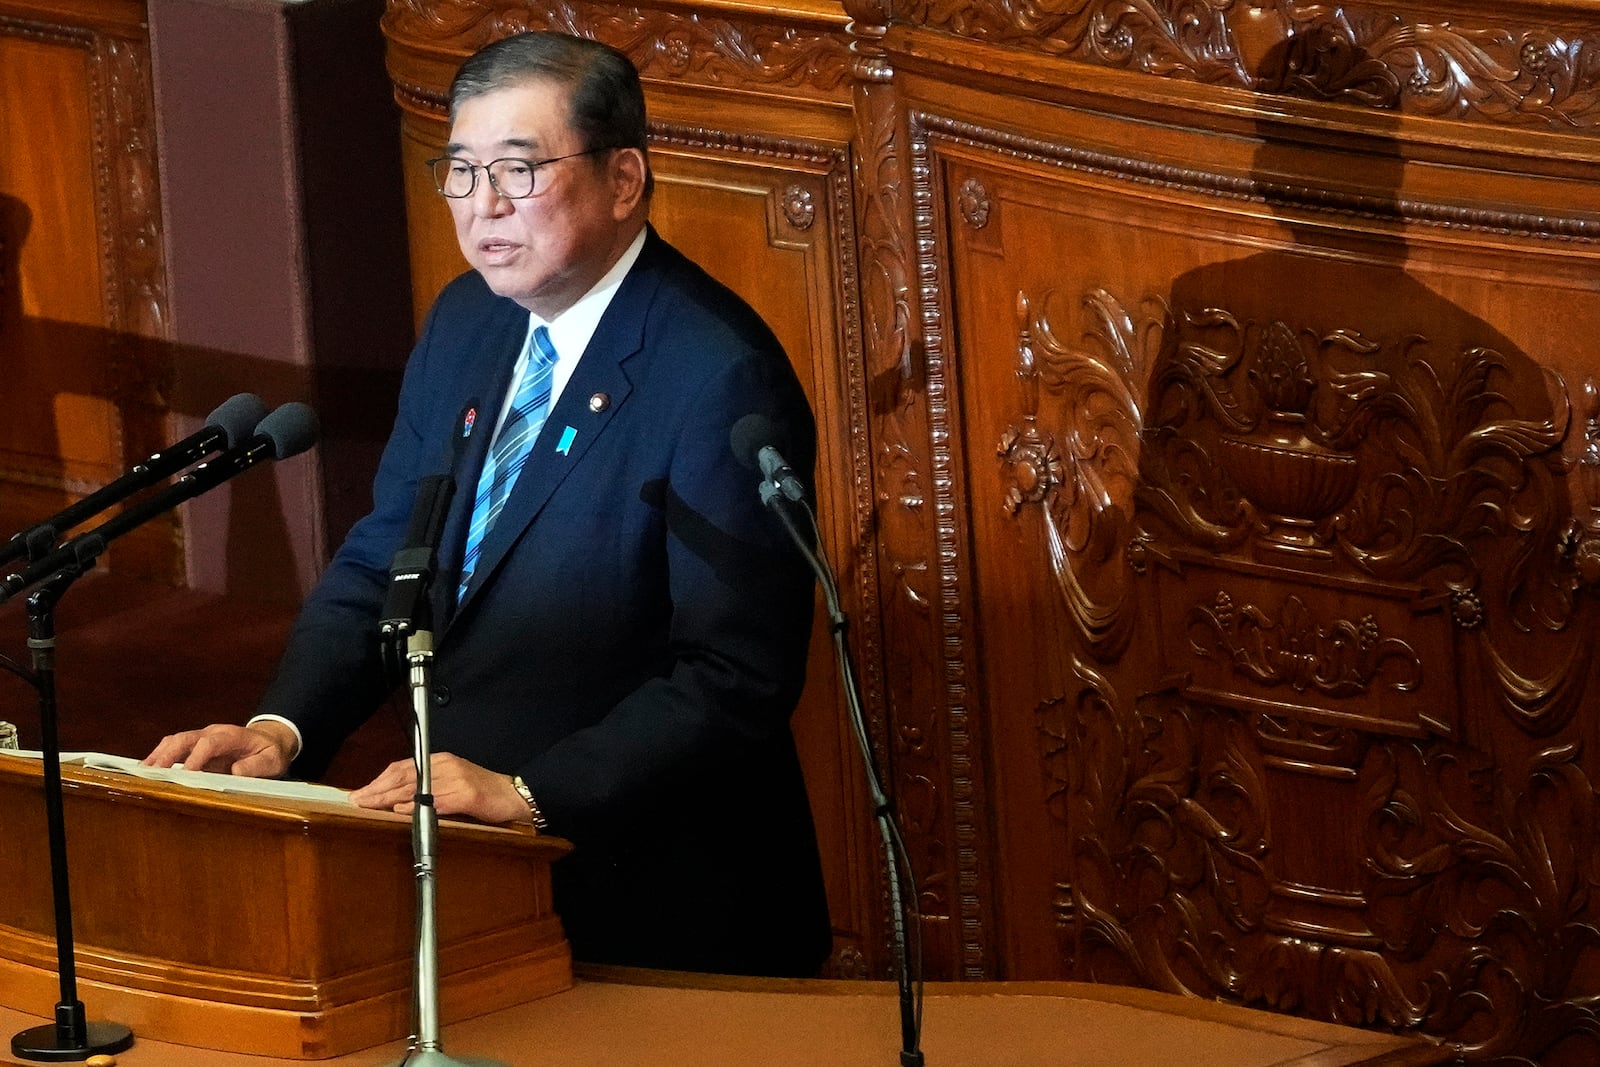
x=459, y=788
x=259, y=751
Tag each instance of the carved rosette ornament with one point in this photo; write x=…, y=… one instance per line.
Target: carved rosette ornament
x=974, y=203
x=799, y=207
x=1033, y=465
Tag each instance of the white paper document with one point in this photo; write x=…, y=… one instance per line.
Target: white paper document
x=213, y=780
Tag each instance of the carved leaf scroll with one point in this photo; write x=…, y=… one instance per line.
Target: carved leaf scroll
x=1504, y=71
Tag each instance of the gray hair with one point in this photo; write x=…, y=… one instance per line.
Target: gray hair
x=606, y=100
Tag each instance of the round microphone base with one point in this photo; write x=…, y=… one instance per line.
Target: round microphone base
x=58, y=1044
x=432, y=1057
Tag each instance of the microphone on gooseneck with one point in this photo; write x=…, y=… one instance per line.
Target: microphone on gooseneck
x=405, y=606
x=756, y=440
x=229, y=425
x=287, y=431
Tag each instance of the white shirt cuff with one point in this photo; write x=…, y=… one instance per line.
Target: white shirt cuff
x=299, y=742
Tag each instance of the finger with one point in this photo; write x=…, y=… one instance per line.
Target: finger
x=397, y=781
x=267, y=763
x=171, y=749
x=385, y=780
x=205, y=752
x=384, y=800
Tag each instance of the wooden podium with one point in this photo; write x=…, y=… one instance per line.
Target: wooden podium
x=258, y=925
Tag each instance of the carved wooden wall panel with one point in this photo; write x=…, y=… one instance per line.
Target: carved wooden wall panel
x=1215, y=463
x=81, y=269
x=767, y=216
x=1269, y=472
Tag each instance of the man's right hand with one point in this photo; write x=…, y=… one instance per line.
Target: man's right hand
x=258, y=751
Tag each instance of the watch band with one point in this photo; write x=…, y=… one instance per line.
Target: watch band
x=526, y=794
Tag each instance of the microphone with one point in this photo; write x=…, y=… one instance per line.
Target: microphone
x=287, y=431
x=411, y=572
x=755, y=441
x=405, y=608
x=227, y=426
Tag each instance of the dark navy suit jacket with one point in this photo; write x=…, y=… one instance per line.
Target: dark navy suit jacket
x=634, y=638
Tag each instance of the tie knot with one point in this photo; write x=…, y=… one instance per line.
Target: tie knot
x=543, y=350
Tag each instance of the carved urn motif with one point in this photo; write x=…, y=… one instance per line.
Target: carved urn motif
x=1291, y=479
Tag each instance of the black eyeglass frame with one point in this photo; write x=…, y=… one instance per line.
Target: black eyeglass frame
x=533, y=166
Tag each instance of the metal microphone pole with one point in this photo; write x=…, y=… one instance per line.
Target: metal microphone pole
x=426, y=1046
x=909, y=983
x=407, y=618
x=70, y=1037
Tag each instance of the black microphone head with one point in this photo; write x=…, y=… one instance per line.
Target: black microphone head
x=291, y=428
x=750, y=435
x=237, y=418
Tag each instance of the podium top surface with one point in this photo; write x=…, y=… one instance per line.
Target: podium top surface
x=81, y=782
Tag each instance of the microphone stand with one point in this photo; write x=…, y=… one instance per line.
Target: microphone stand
x=894, y=852
x=290, y=429
x=70, y=1037
x=412, y=573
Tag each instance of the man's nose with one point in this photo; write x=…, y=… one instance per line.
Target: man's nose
x=486, y=199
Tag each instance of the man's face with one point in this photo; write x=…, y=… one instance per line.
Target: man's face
x=548, y=250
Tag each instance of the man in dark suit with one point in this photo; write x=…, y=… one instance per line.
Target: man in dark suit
x=621, y=644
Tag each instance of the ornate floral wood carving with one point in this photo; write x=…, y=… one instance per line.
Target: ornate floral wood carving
x=1302, y=816
x=902, y=540
x=126, y=144
x=810, y=61
x=1474, y=907
x=136, y=297
x=1084, y=480
x=1508, y=70
x=1436, y=456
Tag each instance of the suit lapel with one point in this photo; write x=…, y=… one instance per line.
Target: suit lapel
x=590, y=401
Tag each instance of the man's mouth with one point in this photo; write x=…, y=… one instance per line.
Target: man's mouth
x=497, y=252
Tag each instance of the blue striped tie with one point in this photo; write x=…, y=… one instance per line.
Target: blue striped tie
x=504, y=462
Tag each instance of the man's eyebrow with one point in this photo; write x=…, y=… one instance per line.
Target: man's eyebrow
x=527, y=144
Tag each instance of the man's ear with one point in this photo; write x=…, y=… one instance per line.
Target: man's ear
x=628, y=179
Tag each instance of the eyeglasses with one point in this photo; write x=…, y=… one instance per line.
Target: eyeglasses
x=514, y=179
